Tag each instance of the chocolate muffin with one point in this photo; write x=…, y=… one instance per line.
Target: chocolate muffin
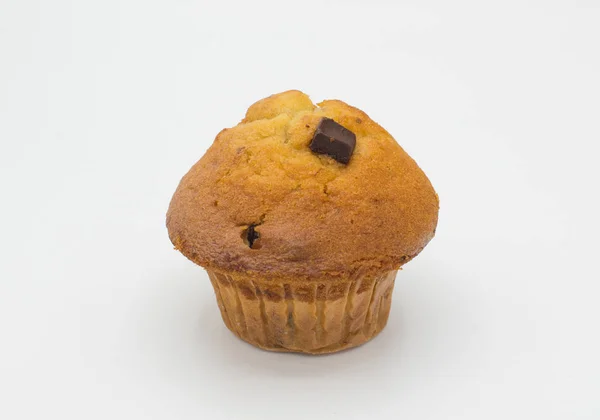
x=302, y=215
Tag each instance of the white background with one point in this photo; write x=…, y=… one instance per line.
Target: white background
x=105, y=105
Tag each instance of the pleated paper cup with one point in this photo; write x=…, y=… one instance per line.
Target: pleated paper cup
x=293, y=315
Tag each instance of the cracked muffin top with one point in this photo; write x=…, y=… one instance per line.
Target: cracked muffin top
x=261, y=202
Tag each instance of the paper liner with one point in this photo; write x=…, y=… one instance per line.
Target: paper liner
x=302, y=316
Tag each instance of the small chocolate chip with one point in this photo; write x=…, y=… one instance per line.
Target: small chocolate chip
x=251, y=237
x=334, y=140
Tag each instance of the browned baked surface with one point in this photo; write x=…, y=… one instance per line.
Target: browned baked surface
x=317, y=218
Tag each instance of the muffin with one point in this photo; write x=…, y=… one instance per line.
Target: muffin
x=302, y=215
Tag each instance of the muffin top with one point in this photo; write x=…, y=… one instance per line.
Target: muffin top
x=262, y=203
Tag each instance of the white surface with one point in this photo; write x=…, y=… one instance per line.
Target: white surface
x=104, y=106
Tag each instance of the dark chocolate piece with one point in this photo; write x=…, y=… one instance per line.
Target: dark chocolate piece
x=334, y=140
x=252, y=235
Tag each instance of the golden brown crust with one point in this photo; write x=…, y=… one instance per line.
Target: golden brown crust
x=316, y=218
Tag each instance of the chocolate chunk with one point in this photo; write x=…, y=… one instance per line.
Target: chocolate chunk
x=251, y=237
x=334, y=140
